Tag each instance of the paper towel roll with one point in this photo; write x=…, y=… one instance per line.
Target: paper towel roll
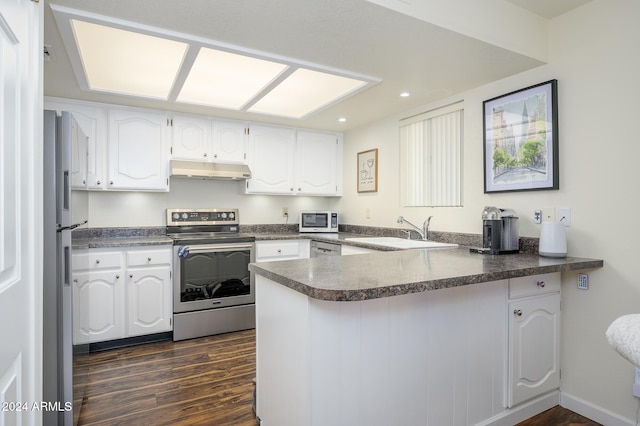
x=553, y=240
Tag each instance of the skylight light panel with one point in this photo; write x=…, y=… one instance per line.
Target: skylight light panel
x=227, y=80
x=304, y=92
x=127, y=62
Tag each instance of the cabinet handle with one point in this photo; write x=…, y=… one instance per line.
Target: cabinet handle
x=149, y=259
x=75, y=280
x=130, y=275
x=97, y=260
x=517, y=312
x=299, y=189
x=540, y=284
x=291, y=189
x=279, y=251
x=205, y=154
x=215, y=155
x=117, y=276
x=110, y=182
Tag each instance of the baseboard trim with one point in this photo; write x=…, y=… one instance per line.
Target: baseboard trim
x=593, y=412
x=524, y=411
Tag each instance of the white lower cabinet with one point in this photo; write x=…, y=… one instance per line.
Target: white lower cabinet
x=121, y=293
x=534, y=337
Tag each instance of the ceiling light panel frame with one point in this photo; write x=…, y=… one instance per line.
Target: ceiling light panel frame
x=280, y=68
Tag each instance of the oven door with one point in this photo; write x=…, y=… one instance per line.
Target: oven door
x=209, y=276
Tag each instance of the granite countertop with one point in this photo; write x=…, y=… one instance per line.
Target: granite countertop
x=377, y=275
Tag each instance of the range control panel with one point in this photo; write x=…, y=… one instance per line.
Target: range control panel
x=180, y=217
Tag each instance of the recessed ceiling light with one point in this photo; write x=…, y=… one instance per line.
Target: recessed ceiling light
x=127, y=62
x=342, y=119
x=405, y=94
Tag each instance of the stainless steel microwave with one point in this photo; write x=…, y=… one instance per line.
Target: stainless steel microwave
x=318, y=221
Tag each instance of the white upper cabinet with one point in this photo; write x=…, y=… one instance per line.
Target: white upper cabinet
x=230, y=141
x=138, y=150
x=87, y=165
x=271, y=159
x=190, y=138
x=203, y=139
x=129, y=149
x=317, y=163
x=294, y=162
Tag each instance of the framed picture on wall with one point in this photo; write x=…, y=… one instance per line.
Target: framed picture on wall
x=368, y=171
x=521, y=139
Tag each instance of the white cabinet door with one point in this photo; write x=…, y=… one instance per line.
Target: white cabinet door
x=79, y=145
x=138, y=150
x=534, y=347
x=98, y=311
x=93, y=122
x=148, y=300
x=229, y=141
x=316, y=163
x=271, y=159
x=191, y=138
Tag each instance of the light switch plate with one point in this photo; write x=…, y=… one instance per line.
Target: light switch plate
x=564, y=215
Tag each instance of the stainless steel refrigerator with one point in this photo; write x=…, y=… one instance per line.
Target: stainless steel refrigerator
x=58, y=350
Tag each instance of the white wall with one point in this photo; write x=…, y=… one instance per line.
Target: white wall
x=131, y=209
x=594, y=56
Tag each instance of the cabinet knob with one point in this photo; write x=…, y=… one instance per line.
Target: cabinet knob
x=517, y=312
x=149, y=258
x=117, y=276
x=299, y=189
x=99, y=183
x=110, y=182
x=291, y=189
x=540, y=284
x=205, y=154
x=75, y=280
x=97, y=260
x=279, y=251
x=215, y=155
x=130, y=275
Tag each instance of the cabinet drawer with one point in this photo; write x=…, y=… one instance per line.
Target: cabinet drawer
x=149, y=257
x=273, y=250
x=96, y=260
x=534, y=284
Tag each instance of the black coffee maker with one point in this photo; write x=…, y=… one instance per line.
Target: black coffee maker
x=500, y=231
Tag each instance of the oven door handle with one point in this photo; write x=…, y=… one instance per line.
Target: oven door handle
x=208, y=248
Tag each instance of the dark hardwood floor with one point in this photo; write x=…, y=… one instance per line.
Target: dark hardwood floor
x=206, y=381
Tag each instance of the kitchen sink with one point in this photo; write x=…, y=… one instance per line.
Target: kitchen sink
x=400, y=243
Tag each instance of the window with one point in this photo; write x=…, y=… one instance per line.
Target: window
x=431, y=158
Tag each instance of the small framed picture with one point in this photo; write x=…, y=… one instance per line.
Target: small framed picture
x=521, y=140
x=368, y=171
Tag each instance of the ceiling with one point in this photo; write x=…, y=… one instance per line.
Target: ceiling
x=405, y=53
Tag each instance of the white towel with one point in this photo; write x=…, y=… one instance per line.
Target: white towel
x=624, y=335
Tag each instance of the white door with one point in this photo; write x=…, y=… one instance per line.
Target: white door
x=20, y=209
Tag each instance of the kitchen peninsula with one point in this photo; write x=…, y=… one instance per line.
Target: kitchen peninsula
x=415, y=337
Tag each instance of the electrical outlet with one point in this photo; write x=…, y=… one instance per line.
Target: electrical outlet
x=285, y=212
x=548, y=214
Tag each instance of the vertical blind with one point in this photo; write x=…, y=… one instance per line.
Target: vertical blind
x=431, y=158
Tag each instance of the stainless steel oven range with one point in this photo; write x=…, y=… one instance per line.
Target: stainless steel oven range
x=212, y=288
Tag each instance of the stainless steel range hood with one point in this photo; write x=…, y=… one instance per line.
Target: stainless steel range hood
x=204, y=170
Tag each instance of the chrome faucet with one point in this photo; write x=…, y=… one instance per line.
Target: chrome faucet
x=424, y=232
